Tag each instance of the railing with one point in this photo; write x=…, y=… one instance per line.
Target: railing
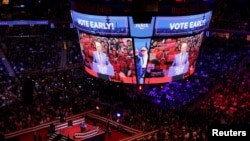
x=87, y=134
x=113, y=123
x=64, y=125
x=139, y=136
x=76, y=119
x=42, y=126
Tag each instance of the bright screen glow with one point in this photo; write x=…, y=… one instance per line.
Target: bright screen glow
x=108, y=58
x=116, y=49
x=171, y=59
x=139, y=61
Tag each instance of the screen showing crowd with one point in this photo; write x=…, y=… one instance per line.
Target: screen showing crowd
x=139, y=60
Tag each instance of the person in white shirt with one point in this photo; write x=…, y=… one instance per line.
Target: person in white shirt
x=144, y=61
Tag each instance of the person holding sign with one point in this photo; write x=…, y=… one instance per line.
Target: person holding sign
x=101, y=62
x=181, y=62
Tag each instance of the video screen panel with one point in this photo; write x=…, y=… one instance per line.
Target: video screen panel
x=108, y=58
x=140, y=60
x=101, y=25
x=181, y=25
x=142, y=47
x=171, y=59
x=141, y=30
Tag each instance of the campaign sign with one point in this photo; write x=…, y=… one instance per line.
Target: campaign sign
x=181, y=25
x=101, y=25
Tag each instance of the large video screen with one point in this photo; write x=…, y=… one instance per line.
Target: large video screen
x=139, y=60
x=115, y=48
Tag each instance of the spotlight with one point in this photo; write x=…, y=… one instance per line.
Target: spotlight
x=118, y=115
x=140, y=88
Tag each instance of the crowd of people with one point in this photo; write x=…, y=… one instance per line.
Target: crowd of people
x=180, y=122
x=233, y=15
x=221, y=62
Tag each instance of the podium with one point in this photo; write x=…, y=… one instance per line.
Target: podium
x=83, y=127
x=103, y=69
x=177, y=70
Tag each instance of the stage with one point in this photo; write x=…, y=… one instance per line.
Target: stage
x=71, y=130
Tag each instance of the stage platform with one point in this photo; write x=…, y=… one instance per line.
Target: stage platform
x=71, y=130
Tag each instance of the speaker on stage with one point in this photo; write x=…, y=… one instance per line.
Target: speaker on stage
x=70, y=123
x=62, y=118
x=52, y=128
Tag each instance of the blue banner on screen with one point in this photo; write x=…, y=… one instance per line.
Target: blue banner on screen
x=101, y=25
x=24, y=22
x=182, y=25
x=141, y=30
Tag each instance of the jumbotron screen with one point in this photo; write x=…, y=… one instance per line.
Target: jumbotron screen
x=114, y=48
